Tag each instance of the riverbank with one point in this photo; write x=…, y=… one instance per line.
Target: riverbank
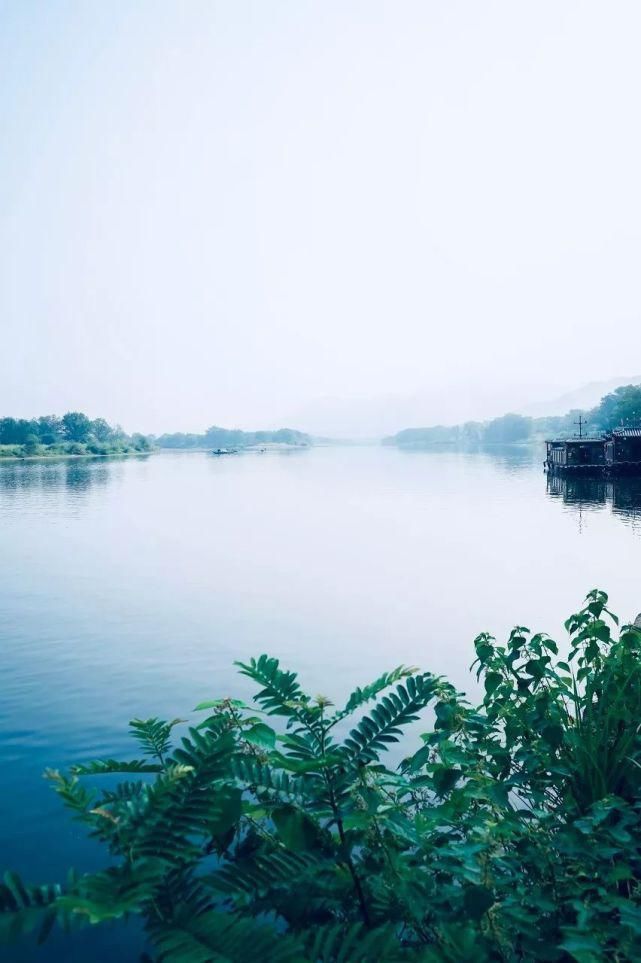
x=238, y=449
x=19, y=453
x=529, y=444
x=24, y=453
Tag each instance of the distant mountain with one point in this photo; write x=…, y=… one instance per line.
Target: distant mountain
x=598, y=400
x=585, y=397
x=376, y=417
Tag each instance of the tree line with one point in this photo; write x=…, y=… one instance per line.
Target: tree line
x=216, y=437
x=619, y=408
x=73, y=433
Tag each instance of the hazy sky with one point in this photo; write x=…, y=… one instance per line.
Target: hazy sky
x=219, y=212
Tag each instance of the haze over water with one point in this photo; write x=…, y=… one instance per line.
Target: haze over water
x=128, y=588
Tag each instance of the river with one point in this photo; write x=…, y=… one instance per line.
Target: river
x=129, y=587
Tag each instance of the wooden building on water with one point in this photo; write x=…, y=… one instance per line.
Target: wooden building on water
x=623, y=450
x=581, y=454
x=617, y=452
x=575, y=454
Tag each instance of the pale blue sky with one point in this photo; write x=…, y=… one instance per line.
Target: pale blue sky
x=222, y=211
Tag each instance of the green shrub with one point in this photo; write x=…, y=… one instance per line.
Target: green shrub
x=99, y=448
x=31, y=445
x=512, y=833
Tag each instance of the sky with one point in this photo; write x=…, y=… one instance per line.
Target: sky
x=311, y=212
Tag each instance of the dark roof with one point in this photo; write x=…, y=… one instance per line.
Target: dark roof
x=627, y=432
x=576, y=440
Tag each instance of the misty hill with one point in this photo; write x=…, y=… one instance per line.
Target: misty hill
x=375, y=417
x=621, y=406
x=216, y=437
x=583, y=398
x=508, y=429
x=370, y=418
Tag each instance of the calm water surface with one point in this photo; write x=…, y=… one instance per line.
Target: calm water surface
x=129, y=587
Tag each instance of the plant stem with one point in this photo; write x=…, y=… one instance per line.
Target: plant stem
x=347, y=856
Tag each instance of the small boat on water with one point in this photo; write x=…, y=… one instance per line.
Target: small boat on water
x=224, y=451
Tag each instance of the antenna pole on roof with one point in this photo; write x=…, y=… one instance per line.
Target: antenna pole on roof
x=581, y=424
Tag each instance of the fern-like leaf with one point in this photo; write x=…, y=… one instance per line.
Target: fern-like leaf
x=153, y=735
x=250, y=774
x=186, y=801
x=115, y=892
x=25, y=908
x=100, y=767
x=213, y=937
x=360, y=696
x=337, y=943
x=74, y=795
x=396, y=710
x=263, y=872
x=281, y=694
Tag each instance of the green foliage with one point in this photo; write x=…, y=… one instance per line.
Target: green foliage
x=512, y=832
x=31, y=444
x=194, y=937
x=621, y=407
x=73, y=434
x=468, y=435
x=226, y=438
x=153, y=735
x=76, y=426
x=507, y=430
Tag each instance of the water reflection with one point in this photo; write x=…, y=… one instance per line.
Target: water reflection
x=621, y=495
x=47, y=484
x=82, y=476
x=512, y=459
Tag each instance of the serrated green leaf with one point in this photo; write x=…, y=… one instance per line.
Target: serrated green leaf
x=260, y=735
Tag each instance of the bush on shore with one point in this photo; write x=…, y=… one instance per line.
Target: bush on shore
x=275, y=831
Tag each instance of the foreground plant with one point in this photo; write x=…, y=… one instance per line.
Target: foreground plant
x=512, y=833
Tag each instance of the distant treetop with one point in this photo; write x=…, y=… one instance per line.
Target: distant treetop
x=216, y=437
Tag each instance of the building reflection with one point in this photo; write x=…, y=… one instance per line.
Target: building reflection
x=622, y=496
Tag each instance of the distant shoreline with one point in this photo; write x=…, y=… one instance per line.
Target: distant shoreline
x=49, y=455
x=68, y=456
